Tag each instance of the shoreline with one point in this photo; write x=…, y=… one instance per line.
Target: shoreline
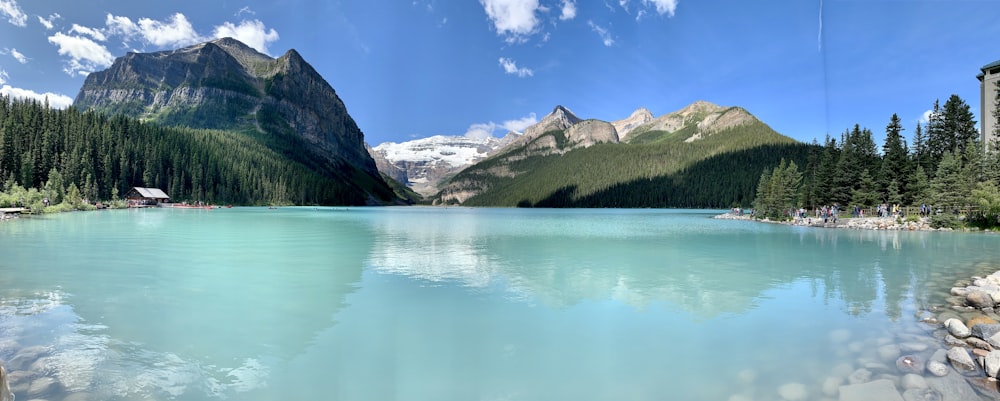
x=851, y=223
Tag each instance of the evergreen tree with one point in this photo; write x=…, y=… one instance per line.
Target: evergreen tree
x=937, y=139
x=948, y=185
x=823, y=180
x=865, y=195
x=919, y=190
x=920, y=155
x=959, y=125
x=895, y=166
x=857, y=155
x=893, y=194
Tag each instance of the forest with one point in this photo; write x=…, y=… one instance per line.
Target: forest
x=84, y=157
x=945, y=167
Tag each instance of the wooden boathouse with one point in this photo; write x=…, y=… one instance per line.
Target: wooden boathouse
x=146, y=197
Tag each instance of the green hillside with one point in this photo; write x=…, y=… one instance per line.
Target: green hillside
x=104, y=156
x=654, y=169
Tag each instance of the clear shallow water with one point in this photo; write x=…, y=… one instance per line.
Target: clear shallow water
x=455, y=304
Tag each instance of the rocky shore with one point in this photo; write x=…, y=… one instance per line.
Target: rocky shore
x=855, y=223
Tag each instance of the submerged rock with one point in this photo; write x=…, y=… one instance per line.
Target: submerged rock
x=878, y=390
x=859, y=376
x=979, y=299
x=913, y=381
x=937, y=368
x=961, y=360
x=922, y=394
x=910, y=364
x=793, y=391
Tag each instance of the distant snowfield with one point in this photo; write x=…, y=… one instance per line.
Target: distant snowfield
x=456, y=151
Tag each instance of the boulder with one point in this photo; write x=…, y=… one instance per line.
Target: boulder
x=985, y=331
x=938, y=368
x=959, y=291
x=979, y=299
x=41, y=386
x=957, y=328
x=979, y=319
x=878, y=390
x=859, y=376
x=994, y=340
x=961, y=360
x=952, y=388
x=992, y=363
x=976, y=342
x=910, y=364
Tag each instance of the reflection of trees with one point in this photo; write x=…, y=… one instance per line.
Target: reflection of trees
x=562, y=260
x=236, y=285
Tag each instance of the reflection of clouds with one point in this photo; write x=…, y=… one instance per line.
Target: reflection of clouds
x=76, y=352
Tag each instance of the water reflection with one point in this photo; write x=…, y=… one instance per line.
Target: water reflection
x=706, y=267
x=234, y=296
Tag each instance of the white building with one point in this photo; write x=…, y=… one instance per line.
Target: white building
x=988, y=79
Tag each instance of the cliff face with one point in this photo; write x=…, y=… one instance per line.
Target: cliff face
x=224, y=84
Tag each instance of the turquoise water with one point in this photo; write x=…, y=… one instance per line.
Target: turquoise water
x=456, y=303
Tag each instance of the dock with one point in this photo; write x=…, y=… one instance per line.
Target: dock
x=4, y=211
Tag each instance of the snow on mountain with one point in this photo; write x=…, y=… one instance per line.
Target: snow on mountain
x=427, y=161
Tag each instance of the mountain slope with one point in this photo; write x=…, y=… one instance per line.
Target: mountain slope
x=553, y=170
x=423, y=163
x=223, y=84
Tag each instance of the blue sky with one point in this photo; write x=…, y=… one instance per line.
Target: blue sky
x=409, y=69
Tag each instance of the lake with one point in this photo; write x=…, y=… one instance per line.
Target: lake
x=419, y=303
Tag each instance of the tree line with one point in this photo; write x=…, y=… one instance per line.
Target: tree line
x=946, y=167
x=50, y=153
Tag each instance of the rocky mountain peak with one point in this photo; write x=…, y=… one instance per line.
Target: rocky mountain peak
x=638, y=117
x=560, y=118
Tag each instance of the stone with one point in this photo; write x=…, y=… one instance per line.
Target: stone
x=953, y=341
x=979, y=353
x=921, y=394
x=937, y=368
x=976, y=342
x=860, y=376
x=78, y=396
x=985, y=331
x=961, y=360
x=986, y=386
x=41, y=386
x=878, y=390
x=793, y=391
x=912, y=381
x=889, y=353
x=992, y=363
x=959, y=291
x=910, y=364
x=831, y=385
x=952, y=388
x=994, y=340
x=957, y=328
x=980, y=319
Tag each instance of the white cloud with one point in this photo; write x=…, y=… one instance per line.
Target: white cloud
x=18, y=56
x=3, y=76
x=252, y=33
x=85, y=54
x=94, y=33
x=603, y=32
x=568, y=10
x=245, y=10
x=924, y=118
x=488, y=129
x=663, y=6
x=48, y=23
x=514, y=19
x=56, y=100
x=176, y=31
x=119, y=25
x=13, y=12
x=510, y=67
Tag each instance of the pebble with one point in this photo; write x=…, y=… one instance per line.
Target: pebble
x=937, y=368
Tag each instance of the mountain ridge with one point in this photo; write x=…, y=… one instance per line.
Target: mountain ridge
x=224, y=84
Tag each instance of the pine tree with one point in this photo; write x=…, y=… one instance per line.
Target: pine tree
x=947, y=186
x=919, y=190
x=895, y=166
x=866, y=194
x=959, y=125
x=919, y=155
x=937, y=140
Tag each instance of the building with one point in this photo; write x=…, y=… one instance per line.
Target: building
x=988, y=78
x=139, y=196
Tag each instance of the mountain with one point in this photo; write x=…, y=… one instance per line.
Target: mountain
x=423, y=163
x=703, y=155
x=224, y=84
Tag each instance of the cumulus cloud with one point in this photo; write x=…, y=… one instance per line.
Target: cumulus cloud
x=177, y=31
x=568, y=10
x=663, y=6
x=85, y=55
x=510, y=67
x=13, y=12
x=252, y=33
x=18, y=56
x=48, y=22
x=93, y=33
x=604, y=33
x=514, y=19
x=926, y=117
x=55, y=100
x=488, y=129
